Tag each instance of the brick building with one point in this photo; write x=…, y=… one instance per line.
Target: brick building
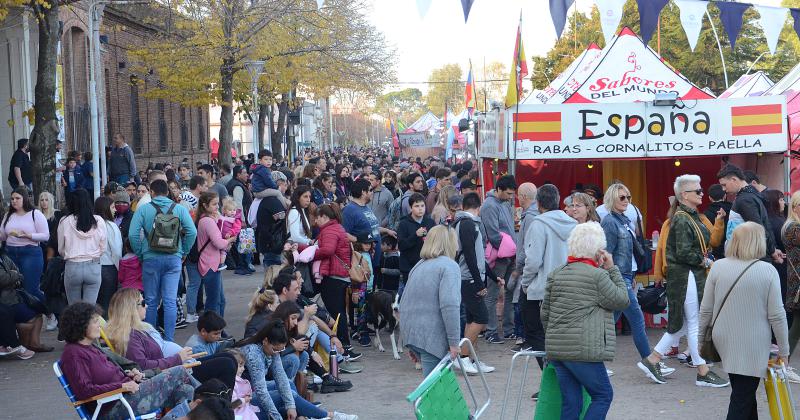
x=157, y=130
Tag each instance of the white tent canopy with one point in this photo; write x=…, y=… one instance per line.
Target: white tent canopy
x=425, y=123
x=564, y=85
x=753, y=84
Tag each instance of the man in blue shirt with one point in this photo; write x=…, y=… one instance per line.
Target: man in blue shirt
x=357, y=217
x=161, y=271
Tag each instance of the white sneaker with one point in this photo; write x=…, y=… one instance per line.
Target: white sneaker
x=317, y=379
x=666, y=370
x=342, y=416
x=792, y=375
x=469, y=368
x=192, y=318
x=52, y=323
x=483, y=367
x=609, y=372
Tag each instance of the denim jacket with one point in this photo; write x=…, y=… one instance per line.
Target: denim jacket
x=619, y=242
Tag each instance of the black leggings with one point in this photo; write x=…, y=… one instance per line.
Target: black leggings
x=333, y=295
x=222, y=366
x=8, y=329
x=315, y=368
x=743, y=397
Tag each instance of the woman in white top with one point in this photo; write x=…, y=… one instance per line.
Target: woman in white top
x=23, y=228
x=109, y=261
x=298, y=220
x=81, y=242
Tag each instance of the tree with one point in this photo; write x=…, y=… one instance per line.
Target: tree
x=495, y=76
x=703, y=66
x=446, y=86
x=405, y=105
x=305, y=49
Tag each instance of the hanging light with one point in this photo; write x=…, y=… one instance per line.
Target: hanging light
x=677, y=162
x=590, y=165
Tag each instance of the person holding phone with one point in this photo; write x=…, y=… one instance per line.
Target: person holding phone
x=588, y=289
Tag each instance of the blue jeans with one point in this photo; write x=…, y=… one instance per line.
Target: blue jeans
x=121, y=179
x=29, y=261
x=590, y=375
x=428, y=360
x=212, y=285
x=303, y=407
x=160, y=278
x=268, y=259
x=636, y=319
x=292, y=363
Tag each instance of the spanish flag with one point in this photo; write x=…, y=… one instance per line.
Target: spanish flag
x=519, y=69
x=537, y=126
x=756, y=119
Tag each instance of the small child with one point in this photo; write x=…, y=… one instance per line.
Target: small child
x=364, y=244
x=390, y=264
x=209, y=334
x=130, y=270
x=230, y=224
x=242, y=391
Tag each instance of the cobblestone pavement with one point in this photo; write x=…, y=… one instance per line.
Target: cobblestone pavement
x=29, y=389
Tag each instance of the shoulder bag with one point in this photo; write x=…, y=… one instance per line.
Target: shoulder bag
x=707, y=348
x=703, y=245
x=642, y=247
x=358, y=268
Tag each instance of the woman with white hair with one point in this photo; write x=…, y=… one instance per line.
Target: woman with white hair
x=430, y=309
x=577, y=316
x=688, y=256
x=742, y=303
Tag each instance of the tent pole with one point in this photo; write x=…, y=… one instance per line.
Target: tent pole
x=719, y=46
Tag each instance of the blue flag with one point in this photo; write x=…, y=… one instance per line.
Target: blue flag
x=730, y=14
x=466, y=5
x=796, y=18
x=558, y=12
x=648, y=16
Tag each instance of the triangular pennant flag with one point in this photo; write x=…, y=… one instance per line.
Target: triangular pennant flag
x=648, y=16
x=796, y=18
x=558, y=12
x=466, y=5
x=771, y=21
x=610, y=15
x=422, y=7
x=730, y=14
x=692, y=12
x=320, y=3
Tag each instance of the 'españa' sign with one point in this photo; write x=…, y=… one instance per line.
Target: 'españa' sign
x=630, y=130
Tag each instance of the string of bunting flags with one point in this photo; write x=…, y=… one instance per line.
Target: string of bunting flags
x=692, y=12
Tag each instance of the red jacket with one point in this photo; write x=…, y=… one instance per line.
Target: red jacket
x=333, y=242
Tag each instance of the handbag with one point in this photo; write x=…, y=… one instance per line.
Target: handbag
x=703, y=246
x=357, y=269
x=31, y=301
x=652, y=299
x=707, y=348
x=247, y=241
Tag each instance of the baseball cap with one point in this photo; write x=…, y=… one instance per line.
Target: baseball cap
x=121, y=197
x=365, y=237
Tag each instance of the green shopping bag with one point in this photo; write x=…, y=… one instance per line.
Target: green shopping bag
x=548, y=407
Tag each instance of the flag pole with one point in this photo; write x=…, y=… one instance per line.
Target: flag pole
x=513, y=162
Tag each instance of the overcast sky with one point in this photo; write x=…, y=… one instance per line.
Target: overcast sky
x=442, y=37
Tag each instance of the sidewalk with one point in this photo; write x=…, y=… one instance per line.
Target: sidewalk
x=379, y=391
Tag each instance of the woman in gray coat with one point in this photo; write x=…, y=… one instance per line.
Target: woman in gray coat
x=430, y=306
x=745, y=323
x=577, y=316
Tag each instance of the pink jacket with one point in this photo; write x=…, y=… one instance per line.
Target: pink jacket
x=78, y=246
x=507, y=249
x=130, y=272
x=208, y=231
x=230, y=226
x=242, y=389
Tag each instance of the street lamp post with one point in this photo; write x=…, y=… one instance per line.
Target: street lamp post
x=254, y=67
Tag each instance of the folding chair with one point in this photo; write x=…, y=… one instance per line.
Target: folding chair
x=518, y=355
x=439, y=396
x=101, y=399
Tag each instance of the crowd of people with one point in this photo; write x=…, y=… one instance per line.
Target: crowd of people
x=119, y=275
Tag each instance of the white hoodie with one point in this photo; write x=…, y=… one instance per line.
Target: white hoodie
x=78, y=246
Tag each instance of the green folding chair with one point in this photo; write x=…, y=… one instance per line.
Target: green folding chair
x=439, y=396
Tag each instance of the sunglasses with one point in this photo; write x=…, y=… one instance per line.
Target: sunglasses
x=143, y=304
x=625, y=198
x=697, y=191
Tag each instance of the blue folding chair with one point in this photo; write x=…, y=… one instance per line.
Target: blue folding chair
x=101, y=399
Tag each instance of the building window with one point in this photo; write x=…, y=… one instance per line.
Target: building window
x=201, y=130
x=184, y=131
x=136, y=123
x=162, y=127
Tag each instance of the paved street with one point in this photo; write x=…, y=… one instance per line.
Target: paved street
x=30, y=390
